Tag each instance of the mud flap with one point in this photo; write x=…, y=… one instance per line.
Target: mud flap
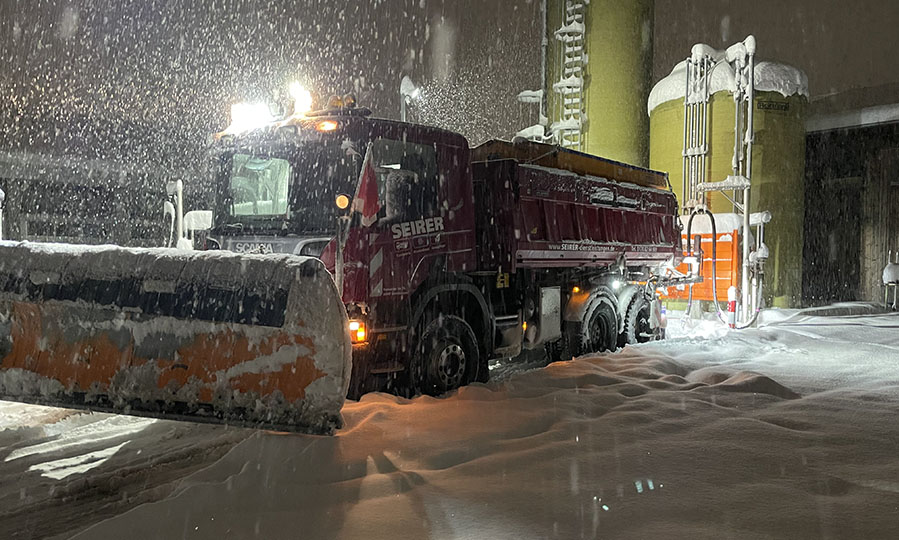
x=258, y=340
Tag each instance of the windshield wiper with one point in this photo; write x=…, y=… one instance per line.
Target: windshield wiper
x=233, y=226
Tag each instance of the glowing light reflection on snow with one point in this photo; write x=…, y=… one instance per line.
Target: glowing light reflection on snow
x=81, y=433
x=62, y=468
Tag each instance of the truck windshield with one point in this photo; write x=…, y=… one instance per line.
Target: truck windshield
x=259, y=185
x=291, y=191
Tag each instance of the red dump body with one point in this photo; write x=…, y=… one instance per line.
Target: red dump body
x=532, y=216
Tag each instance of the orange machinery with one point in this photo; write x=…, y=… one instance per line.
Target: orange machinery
x=727, y=268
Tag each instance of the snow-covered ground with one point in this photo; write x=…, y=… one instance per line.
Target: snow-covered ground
x=789, y=430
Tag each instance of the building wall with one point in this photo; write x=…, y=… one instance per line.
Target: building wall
x=842, y=46
x=851, y=218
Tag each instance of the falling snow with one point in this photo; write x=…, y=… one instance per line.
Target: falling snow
x=784, y=430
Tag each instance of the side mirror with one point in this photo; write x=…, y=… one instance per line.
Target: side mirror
x=400, y=197
x=198, y=220
x=168, y=212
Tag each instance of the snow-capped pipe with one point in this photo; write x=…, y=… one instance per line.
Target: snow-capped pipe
x=736, y=53
x=748, y=172
x=685, y=182
x=699, y=50
x=749, y=42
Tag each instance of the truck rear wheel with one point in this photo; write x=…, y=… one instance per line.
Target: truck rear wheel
x=446, y=356
x=636, y=322
x=599, y=331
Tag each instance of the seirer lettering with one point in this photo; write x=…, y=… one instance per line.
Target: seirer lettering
x=417, y=227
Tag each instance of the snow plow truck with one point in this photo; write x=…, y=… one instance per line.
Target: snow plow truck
x=347, y=254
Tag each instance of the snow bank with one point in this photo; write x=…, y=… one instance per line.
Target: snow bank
x=20, y=415
x=783, y=431
x=769, y=77
x=63, y=470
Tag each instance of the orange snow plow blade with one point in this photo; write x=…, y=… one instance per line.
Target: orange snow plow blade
x=258, y=340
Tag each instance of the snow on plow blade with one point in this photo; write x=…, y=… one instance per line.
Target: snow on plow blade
x=255, y=340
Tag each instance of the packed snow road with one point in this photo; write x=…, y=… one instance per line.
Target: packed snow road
x=784, y=431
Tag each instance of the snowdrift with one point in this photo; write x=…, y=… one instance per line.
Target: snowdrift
x=787, y=431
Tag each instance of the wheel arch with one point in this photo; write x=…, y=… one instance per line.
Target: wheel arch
x=474, y=308
x=624, y=299
x=580, y=306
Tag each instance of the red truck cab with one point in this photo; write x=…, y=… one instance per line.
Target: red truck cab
x=475, y=253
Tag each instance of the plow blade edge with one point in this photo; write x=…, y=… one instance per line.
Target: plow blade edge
x=256, y=340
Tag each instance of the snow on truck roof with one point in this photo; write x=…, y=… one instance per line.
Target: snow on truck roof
x=545, y=155
x=559, y=158
x=337, y=120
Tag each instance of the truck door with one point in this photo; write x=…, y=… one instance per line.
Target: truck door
x=410, y=224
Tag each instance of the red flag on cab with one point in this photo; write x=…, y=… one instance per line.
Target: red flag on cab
x=366, y=201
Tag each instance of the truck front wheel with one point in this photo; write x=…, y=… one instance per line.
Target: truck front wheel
x=446, y=356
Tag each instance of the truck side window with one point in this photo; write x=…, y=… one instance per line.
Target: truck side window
x=407, y=179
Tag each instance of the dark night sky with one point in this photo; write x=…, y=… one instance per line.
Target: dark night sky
x=843, y=47
x=178, y=64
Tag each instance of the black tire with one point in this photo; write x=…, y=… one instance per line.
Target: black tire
x=636, y=322
x=563, y=348
x=446, y=356
x=599, y=331
x=559, y=350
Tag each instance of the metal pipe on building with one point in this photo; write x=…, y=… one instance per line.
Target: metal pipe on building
x=750, y=50
x=686, y=193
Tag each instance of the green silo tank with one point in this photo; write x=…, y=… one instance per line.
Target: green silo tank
x=778, y=158
x=616, y=41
